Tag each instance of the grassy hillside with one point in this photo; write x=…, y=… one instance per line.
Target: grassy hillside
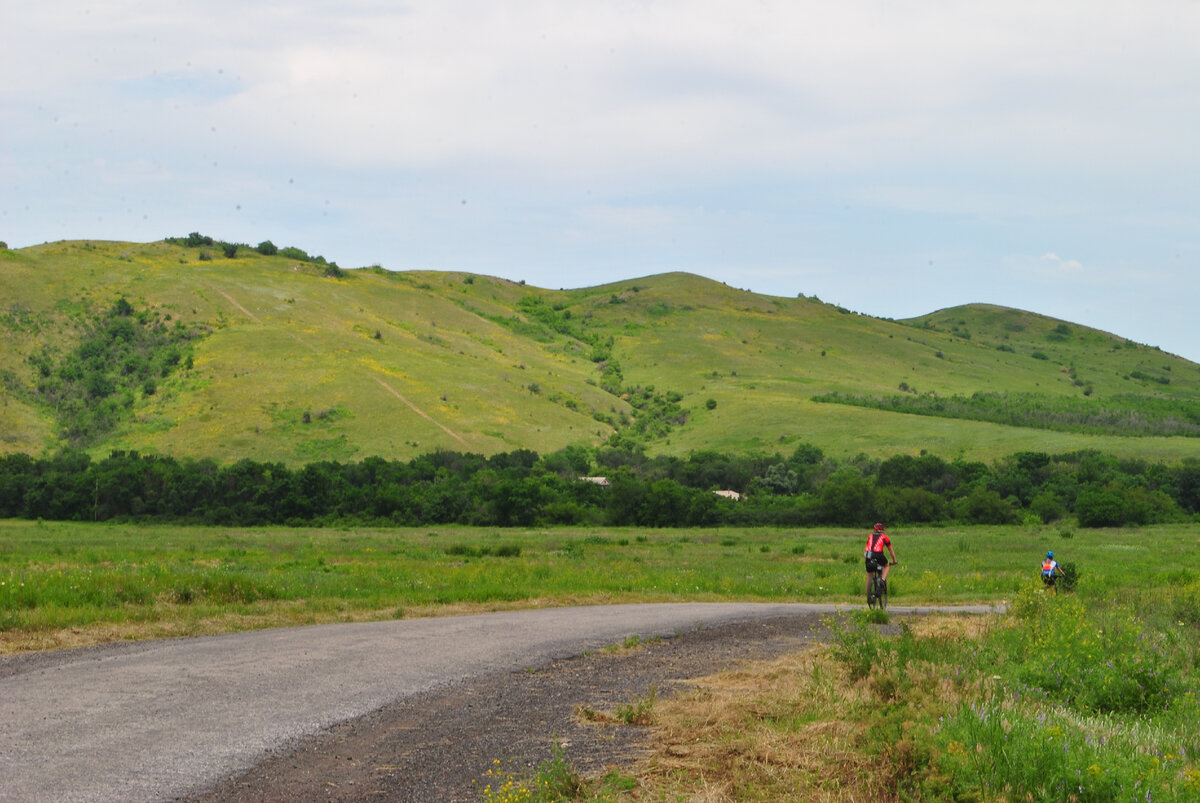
x=285, y=362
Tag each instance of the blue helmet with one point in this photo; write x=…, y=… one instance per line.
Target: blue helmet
x=1050, y=554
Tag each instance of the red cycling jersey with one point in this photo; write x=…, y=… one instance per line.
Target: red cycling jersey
x=877, y=540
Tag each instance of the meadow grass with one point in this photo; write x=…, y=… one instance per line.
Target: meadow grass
x=70, y=583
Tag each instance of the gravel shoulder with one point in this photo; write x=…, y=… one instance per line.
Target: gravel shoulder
x=438, y=746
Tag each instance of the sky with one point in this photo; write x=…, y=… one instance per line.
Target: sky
x=894, y=158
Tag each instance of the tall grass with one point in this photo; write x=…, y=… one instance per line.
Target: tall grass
x=1061, y=700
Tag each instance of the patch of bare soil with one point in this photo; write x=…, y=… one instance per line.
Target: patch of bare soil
x=437, y=748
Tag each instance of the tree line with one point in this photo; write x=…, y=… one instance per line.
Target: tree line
x=523, y=488
x=1128, y=415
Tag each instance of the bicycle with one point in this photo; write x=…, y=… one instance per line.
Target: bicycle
x=877, y=591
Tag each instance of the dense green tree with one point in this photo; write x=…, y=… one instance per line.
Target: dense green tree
x=1099, y=507
x=985, y=506
x=1188, y=487
x=847, y=498
x=779, y=479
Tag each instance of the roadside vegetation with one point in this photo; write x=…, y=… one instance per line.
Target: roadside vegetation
x=1063, y=699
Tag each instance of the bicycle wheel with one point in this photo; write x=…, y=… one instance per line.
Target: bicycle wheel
x=882, y=593
x=872, y=589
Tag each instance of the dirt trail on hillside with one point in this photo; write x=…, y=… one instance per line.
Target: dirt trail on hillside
x=235, y=303
x=424, y=414
x=459, y=438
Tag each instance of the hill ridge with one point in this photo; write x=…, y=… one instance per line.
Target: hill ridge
x=295, y=359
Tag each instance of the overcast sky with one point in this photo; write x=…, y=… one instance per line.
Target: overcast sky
x=891, y=157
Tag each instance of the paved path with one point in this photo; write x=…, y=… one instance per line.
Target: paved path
x=157, y=720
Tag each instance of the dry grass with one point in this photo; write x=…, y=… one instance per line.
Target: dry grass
x=768, y=731
x=793, y=728
x=950, y=628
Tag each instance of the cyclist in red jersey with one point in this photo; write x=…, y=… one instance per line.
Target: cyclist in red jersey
x=877, y=539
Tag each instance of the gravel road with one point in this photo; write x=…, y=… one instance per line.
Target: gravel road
x=179, y=718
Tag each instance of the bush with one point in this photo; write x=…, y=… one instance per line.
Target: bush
x=856, y=644
x=1070, y=576
x=1093, y=660
x=267, y=248
x=292, y=252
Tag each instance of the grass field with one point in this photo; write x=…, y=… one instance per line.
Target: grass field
x=63, y=583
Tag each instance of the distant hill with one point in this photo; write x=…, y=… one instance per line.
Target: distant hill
x=208, y=350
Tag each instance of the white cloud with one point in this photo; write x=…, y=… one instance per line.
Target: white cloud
x=1059, y=265
x=620, y=89
x=781, y=142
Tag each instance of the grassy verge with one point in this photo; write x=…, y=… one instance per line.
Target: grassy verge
x=65, y=584
x=1058, y=701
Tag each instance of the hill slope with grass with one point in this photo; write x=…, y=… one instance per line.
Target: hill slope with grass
x=211, y=350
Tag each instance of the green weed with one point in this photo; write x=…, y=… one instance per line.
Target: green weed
x=553, y=780
x=640, y=711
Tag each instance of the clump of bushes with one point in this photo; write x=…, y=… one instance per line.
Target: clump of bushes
x=94, y=386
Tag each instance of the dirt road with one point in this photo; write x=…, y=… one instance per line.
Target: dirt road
x=171, y=719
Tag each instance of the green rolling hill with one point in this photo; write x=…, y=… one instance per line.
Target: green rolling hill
x=288, y=358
